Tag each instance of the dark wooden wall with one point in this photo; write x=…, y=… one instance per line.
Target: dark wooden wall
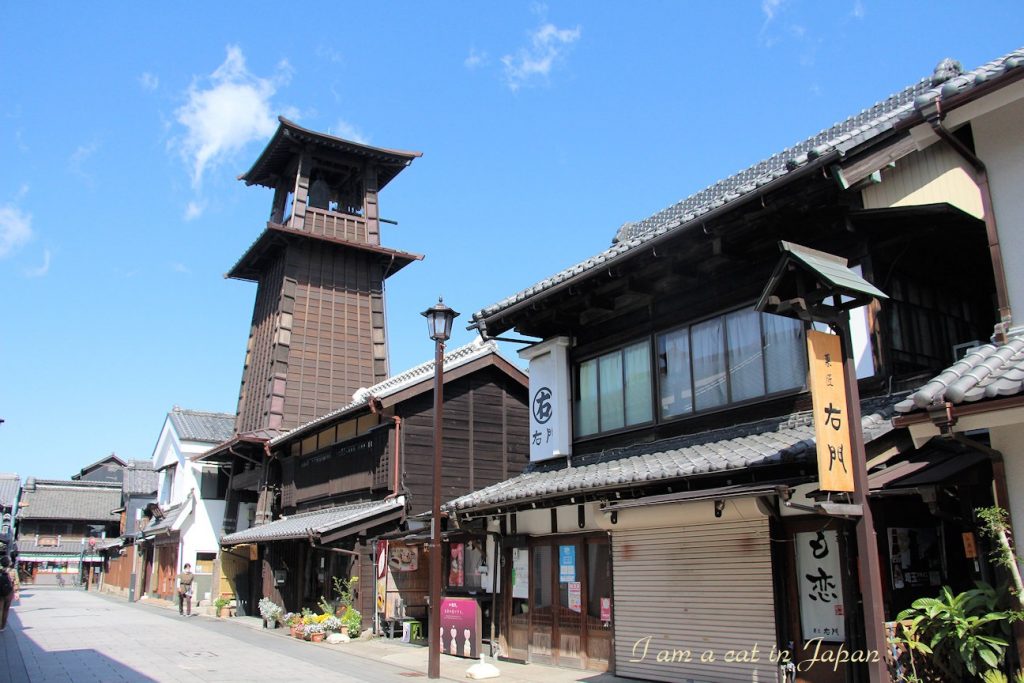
x=485, y=440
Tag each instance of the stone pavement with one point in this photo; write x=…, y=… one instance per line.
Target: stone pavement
x=66, y=635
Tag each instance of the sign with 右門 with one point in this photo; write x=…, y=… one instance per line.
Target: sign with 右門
x=831, y=413
x=821, y=590
x=550, y=405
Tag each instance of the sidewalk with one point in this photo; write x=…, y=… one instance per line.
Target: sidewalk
x=414, y=658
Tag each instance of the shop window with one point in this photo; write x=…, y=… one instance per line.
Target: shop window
x=614, y=390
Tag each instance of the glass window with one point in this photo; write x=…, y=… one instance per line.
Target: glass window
x=746, y=366
x=676, y=391
x=614, y=390
x=785, y=353
x=586, y=405
x=610, y=396
x=708, y=364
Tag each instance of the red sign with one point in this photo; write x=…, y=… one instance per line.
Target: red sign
x=460, y=627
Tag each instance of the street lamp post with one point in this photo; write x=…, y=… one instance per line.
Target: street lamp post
x=439, y=324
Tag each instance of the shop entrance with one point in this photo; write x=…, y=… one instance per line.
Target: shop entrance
x=559, y=605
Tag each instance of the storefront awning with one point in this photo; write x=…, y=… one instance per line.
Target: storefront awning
x=173, y=519
x=321, y=525
x=28, y=557
x=927, y=468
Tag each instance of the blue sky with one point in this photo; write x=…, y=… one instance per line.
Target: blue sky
x=123, y=128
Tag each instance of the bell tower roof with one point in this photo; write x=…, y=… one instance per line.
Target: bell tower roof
x=290, y=140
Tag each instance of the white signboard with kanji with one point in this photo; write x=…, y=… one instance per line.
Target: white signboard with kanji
x=550, y=400
x=821, y=590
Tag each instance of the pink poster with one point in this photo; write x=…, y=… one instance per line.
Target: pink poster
x=456, y=574
x=460, y=627
x=606, y=609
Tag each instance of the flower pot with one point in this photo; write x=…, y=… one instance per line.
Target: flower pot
x=317, y=637
x=224, y=612
x=297, y=632
x=344, y=630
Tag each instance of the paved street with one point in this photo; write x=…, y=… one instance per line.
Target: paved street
x=68, y=635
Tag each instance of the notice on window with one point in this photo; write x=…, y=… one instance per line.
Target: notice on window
x=520, y=573
x=821, y=591
x=575, y=596
x=566, y=563
x=606, y=609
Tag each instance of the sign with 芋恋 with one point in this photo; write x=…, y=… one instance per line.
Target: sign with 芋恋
x=821, y=590
x=831, y=424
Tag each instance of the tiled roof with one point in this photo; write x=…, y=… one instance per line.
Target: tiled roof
x=9, y=485
x=140, y=477
x=314, y=523
x=767, y=442
x=478, y=348
x=27, y=547
x=47, y=499
x=985, y=372
x=859, y=128
x=173, y=518
x=196, y=425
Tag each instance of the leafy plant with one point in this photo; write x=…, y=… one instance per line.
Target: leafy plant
x=310, y=629
x=344, y=589
x=332, y=624
x=221, y=602
x=292, y=619
x=353, y=620
x=960, y=633
x=270, y=610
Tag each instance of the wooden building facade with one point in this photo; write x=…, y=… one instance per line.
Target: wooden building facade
x=670, y=501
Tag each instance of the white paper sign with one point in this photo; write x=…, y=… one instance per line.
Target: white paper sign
x=820, y=586
x=520, y=573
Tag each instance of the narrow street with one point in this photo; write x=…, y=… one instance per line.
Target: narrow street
x=69, y=635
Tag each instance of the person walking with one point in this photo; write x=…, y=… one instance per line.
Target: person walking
x=185, y=580
x=9, y=589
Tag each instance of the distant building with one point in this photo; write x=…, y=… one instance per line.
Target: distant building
x=183, y=525
x=62, y=525
x=10, y=489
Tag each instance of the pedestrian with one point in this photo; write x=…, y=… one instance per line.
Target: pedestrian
x=185, y=579
x=9, y=588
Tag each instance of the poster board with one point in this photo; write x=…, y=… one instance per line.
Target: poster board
x=818, y=572
x=460, y=627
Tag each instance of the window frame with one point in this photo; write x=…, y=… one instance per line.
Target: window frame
x=652, y=341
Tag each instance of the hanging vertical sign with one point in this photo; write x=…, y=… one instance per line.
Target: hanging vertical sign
x=831, y=424
x=550, y=407
x=821, y=591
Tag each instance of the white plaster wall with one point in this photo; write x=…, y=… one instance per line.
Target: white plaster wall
x=999, y=142
x=1009, y=441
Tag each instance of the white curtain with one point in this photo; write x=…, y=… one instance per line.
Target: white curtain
x=676, y=381
x=611, y=406
x=638, y=383
x=785, y=353
x=708, y=349
x=586, y=407
x=746, y=367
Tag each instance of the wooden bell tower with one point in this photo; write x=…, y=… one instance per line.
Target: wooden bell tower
x=318, y=330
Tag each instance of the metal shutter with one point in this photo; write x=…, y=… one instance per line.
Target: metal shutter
x=698, y=588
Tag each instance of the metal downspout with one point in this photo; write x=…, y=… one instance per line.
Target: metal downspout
x=995, y=250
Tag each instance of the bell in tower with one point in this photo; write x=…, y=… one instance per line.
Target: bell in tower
x=318, y=330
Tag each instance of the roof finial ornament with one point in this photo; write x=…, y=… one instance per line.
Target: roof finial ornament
x=945, y=70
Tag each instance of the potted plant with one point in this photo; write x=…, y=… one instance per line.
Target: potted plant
x=332, y=624
x=351, y=623
x=270, y=611
x=221, y=605
x=314, y=632
x=294, y=622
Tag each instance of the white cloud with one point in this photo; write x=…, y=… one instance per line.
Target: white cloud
x=329, y=54
x=858, y=10
x=548, y=45
x=178, y=267
x=41, y=270
x=78, y=158
x=475, y=59
x=15, y=229
x=770, y=8
x=232, y=110
x=149, y=81
x=194, y=210
x=344, y=129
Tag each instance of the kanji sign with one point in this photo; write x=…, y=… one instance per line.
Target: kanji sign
x=821, y=591
x=831, y=423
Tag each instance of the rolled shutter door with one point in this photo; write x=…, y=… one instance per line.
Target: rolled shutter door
x=684, y=591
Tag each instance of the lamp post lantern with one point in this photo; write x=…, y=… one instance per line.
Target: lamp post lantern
x=439, y=325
